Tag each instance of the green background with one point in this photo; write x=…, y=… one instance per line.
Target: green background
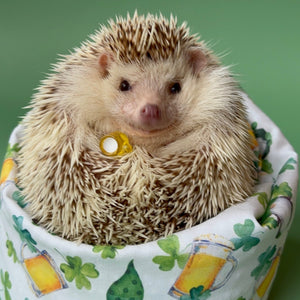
x=261, y=41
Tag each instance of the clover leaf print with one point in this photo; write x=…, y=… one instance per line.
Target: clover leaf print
x=19, y=198
x=265, y=262
x=107, y=250
x=171, y=246
x=245, y=238
x=74, y=269
x=6, y=284
x=24, y=233
x=197, y=294
x=11, y=251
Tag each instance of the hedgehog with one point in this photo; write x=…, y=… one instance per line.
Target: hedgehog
x=182, y=112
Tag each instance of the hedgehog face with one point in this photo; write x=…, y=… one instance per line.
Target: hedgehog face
x=142, y=76
x=149, y=101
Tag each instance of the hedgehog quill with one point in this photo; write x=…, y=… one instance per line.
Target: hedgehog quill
x=180, y=113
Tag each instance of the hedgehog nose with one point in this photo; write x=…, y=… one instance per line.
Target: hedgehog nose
x=150, y=112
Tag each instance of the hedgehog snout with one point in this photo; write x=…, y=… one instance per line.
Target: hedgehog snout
x=150, y=112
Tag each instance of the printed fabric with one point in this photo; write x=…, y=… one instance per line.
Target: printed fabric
x=233, y=256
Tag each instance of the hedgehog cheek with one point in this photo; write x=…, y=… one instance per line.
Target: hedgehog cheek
x=197, y=60
x=104, y=62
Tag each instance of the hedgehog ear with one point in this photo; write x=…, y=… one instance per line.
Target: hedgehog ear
x=197, y=60
x=104, y=62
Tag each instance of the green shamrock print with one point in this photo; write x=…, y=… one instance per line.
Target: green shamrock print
x=128, y=287
x=197, y=294
x=107, y=251
x=24, y=233
x=265, y=261
x=18, y=197
x=6, y=284
x=11, y=251
x=245, y=240
x=171, y=246
x=74, y=269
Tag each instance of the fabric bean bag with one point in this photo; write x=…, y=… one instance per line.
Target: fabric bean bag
x=232, y=256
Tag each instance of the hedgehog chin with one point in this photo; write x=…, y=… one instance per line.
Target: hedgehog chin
x=140, y=132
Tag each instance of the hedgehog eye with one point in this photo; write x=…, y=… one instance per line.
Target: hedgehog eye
x=124, y=86
x=175, y=88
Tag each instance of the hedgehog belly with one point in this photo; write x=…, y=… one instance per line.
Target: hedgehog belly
x=145, y=198
x=133, y=199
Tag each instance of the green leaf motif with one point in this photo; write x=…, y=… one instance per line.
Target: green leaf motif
x=69, y=272
x=17, y=196
x=24, y=233
x=88, y=269
x=283, y=190
x=244, y=232
x=254, y=126
x=288, y=165
x=265, y=261
x=107, y=251
x=238, y=243
x=11, y=149
x=75, y=270
x=268, y=138
x=267, y=166
x=171, y=246
x=6, y=284
x=182, y=260
x=166, y=263
x=129, y=286
x=265, y=136
x=197, y=293
x=265, y=145
x=81, y=281
x=270, y=222
x=262, y=198
x=11, y=251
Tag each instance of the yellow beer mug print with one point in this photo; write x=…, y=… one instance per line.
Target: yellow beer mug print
x=42, y=273
x=209, y=256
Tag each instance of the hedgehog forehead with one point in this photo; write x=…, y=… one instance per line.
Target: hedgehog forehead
x=142, y=38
